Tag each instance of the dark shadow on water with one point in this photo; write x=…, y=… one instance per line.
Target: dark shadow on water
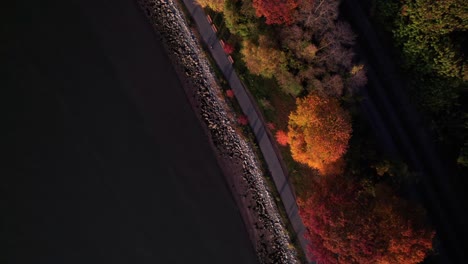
x=109, y=163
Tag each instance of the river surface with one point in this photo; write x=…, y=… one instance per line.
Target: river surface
x=109, y=163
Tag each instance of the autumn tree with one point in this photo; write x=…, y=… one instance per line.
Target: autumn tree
x=215, y=5
x=262, y=59
x=282, y=137
x=266, y=60
x=307, y=51
x=243, y=120
x=275, y=11
x=230, y=93
x=289, y=83
x=343, y=33
x=319, y=15
x=332, y=85
x=299, y=41
x=333, y=55
x=319, y=130
x=228, y=48
x=310, y=74
x=350, y=223
x=321, y=45
x=293, y=35
x=241, y=19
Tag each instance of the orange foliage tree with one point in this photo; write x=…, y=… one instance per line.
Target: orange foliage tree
x=319, y=131
x=347, y=223
x=275, y=11
x=282, y=138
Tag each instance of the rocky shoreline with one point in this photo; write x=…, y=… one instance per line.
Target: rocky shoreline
x=235, y=154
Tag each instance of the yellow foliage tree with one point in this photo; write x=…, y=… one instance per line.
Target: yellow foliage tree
x=262, y=59
x=216, y=5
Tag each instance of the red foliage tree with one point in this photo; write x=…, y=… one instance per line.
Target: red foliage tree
x=282, y=138
x=348, y=223
x=228, y=48
x=275, y=11
x=230, y=93
x=243, y=120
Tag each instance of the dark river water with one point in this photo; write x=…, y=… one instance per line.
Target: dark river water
x=108, y=163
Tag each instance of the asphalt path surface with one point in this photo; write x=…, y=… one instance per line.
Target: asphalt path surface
x=106, y=161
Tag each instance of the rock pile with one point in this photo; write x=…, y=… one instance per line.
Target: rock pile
x=272, y=242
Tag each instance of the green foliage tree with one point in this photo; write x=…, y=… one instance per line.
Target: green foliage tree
x=288, y=82
x=432, y=37
x=241, y=19
x=431, y=33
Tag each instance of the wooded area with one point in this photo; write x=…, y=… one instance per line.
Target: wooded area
x=297, y=59
x=431, y=39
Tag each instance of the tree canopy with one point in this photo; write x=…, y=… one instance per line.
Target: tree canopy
x=319, y=131
x=348, y=223
x=240, y=18
x=275, y=11
x=431, y=33
x=216, y=5
x=261, y=59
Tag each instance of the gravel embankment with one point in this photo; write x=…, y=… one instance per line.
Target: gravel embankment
x=235, y=154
